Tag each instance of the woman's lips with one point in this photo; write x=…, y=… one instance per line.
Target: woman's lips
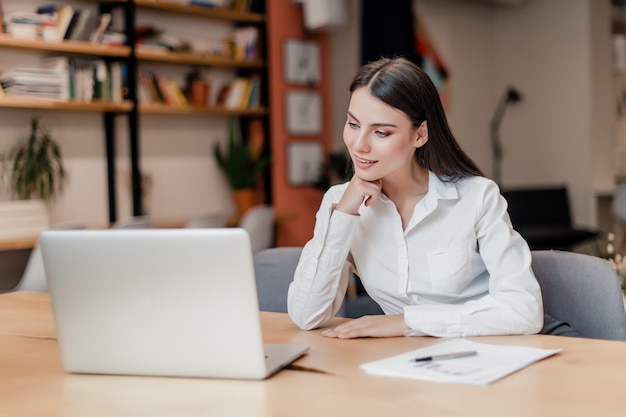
x=364, y=163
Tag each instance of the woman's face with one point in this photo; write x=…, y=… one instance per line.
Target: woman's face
x=380, y=138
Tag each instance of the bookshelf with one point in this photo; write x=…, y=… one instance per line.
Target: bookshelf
x=94, y=106
x=66, y=46
x=71, y=50
x=194, y=59
x=235, y=14
x=160, y=108
x=247, y=67
x=135, y=56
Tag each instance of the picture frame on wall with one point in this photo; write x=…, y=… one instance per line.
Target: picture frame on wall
x=302, y=62
x=303, y=112
x=304, y=162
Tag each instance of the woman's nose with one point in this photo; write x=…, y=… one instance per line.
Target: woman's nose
x=361, y=142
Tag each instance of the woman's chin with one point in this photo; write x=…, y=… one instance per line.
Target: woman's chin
x=366, y=175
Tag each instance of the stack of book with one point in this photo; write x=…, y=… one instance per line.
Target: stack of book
x=80, y=24
x=33, y=83
x=90, y=80
x=58, y=23
x=62, y=78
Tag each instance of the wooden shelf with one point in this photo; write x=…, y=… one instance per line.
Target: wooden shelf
x=95, y=106
x=17, y=243
x=159, y=108
x=195, y=59
x=209, y=12
x=73, y=47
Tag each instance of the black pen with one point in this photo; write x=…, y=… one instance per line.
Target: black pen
x=455, y=355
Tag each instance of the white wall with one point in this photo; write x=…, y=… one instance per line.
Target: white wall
x=557, y=54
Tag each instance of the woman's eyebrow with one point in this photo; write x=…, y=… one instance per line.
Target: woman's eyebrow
x=352, y=116
x=373, y=124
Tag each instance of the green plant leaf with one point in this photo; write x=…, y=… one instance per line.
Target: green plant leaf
x=237, y=162
x=37, y=170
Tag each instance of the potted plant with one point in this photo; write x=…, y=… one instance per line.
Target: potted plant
x=36, y=174
x=37, y=169
x=242, y=163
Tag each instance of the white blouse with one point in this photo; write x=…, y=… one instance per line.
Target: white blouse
x=458, y=269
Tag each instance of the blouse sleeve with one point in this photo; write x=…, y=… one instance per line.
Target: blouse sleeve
x=321, y=278
x=513, y=304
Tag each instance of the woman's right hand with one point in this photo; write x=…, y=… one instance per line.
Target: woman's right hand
x=357, y=193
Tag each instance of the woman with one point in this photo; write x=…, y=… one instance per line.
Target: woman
x=428, y=235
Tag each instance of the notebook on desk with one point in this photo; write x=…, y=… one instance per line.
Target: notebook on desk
x=160, y=302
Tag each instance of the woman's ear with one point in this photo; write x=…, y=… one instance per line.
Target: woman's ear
x=421, y=134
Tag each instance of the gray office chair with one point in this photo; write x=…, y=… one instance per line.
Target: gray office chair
x=618, y=210
x=582, y=290
x=34, y=276
x=207, y=220
x=259, y=222
x=274, y=269
x=135, y=222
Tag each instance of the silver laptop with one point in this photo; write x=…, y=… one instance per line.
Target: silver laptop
x=163, y=302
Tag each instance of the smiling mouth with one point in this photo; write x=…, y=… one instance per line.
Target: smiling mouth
x=364, y=161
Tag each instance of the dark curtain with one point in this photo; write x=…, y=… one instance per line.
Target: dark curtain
x=387, y=30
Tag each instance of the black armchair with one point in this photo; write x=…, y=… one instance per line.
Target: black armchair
x=543, y=217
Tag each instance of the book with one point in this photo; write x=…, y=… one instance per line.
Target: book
x=236, y=93
x=71, y=25
x=64, y=16
x=47, y=9
x=254, y=99
x=165, y=90
x=150, y=81
x=63, y=65
x=115, y=71
x=103, y=24
x=81, y=22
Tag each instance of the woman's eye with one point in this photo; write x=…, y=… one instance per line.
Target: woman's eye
x=381, y=134
x=353, y=125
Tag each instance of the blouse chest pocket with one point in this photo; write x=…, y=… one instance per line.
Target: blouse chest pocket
x=450, y=270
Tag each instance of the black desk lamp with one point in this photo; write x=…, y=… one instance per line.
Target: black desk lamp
x=511, y=95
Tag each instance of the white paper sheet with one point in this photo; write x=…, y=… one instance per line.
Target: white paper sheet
x=491, y=363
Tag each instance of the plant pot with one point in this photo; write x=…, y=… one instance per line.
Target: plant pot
x=199, y=93
x=23, y=218
x=244, y=199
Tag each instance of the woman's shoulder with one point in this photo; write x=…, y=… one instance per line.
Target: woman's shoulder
x=475, y=182
x=477, y=187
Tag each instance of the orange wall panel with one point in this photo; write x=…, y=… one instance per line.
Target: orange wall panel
x=295, y=205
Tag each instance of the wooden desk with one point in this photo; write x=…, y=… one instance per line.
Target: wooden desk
x=587, y=378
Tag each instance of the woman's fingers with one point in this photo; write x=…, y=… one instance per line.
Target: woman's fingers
x=369, y=326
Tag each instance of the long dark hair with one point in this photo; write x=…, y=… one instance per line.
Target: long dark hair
x=403, y=85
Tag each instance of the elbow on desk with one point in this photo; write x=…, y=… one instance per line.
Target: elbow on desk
x=304, y=323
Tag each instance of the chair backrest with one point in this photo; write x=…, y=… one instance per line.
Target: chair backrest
x=207, y=220
x=135, y=222
x=274, y=269
x=618, y=206
x=538, y=206
x=582, y=290
x=34, y=276
x=259, y=222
